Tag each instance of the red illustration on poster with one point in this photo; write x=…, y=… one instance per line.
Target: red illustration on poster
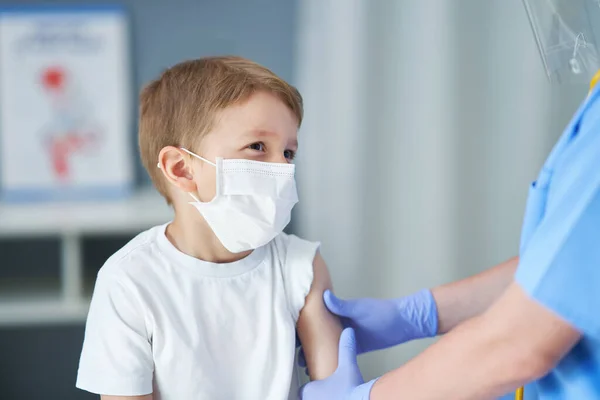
x=71, y=131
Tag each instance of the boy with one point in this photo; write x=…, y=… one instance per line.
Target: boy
x=207, y=306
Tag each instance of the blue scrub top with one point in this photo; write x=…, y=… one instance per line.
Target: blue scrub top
x=560, y=252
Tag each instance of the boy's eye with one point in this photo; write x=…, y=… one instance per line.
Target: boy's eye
x=257, y=146
x=260, y=146
x=289, y=155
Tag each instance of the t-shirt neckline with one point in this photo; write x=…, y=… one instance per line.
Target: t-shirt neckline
x=207, y=268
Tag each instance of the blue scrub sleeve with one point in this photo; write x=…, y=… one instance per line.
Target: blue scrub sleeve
x=560, y=262
x=560, y=267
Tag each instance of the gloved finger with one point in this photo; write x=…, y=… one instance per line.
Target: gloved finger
x=302, y=391
x=336, y=305
x=347, y=348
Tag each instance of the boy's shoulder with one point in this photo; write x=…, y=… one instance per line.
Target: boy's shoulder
x=284, y=240
x=129, y=258
x=289, y=247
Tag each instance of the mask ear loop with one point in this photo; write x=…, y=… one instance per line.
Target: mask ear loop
x=194, y=155
x=194, y=197
x=197, y=156
x=200, y=158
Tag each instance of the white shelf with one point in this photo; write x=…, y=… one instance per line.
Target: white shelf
x=69, y=221
x=139, y=212
x=42, y=311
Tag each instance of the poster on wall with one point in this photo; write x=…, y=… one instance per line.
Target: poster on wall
x=65, y=104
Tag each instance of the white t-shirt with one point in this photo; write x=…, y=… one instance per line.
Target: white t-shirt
x=164, y=322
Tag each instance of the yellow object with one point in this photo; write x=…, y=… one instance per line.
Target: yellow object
x=594, y=80
x=519, y=393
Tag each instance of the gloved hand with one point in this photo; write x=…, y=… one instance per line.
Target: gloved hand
x=347, y=382
x=380, y=324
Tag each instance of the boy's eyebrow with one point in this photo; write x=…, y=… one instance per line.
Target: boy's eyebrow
x=263, y=132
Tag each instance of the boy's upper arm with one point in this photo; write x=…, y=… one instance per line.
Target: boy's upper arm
x=318, y=329
x=145, y=397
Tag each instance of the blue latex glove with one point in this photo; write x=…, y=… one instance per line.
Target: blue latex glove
x=347, y=382
x=380, y=324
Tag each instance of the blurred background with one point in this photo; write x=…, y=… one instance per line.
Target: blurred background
x=425, y=123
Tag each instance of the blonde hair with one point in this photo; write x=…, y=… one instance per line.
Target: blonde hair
x=178, y=108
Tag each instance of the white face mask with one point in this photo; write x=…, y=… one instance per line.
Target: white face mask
x=253, y=202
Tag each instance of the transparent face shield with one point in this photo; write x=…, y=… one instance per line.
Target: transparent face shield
x=567, y=34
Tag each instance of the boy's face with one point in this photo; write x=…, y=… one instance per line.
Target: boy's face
x=263, y=129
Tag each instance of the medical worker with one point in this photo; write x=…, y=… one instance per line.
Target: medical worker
x=535, y=318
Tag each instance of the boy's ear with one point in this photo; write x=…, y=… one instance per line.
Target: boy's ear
x=176, y=167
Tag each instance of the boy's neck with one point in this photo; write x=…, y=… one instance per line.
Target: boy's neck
x=191, y=235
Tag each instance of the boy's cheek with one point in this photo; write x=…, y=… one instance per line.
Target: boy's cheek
x=206, y=184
